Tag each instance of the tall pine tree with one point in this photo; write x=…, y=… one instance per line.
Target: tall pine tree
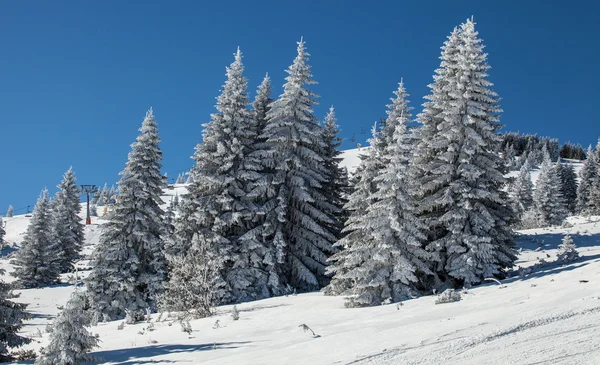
x=336, y=188
x=218, y=198
x=587, y=175
x=351, y=247
x=547, y=198
x=568, y=185
x=522, y=190
x=38, y=261
x=459, y=168
x=299, y=221
x=67, y=229
x=11, y=317
x=396, y=263
x=594, y=203
x=2, y=233
x=129, y=267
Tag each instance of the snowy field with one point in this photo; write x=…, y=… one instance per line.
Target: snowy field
x=550, y=316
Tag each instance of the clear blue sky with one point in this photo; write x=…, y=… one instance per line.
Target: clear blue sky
x=78, y=76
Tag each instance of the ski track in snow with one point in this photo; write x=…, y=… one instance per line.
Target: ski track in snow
x=526, y=342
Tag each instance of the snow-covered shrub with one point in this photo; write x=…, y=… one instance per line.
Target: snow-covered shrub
x=133, y=317
x=532, y=218
x=567, y=251
x=448, y=296
x=235, y=313
x=186, y=327
x=23, y=355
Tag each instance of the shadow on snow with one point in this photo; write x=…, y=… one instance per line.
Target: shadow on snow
x=130, y=356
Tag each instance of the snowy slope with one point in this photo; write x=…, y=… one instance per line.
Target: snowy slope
x=351, y=159
x=522, y=323
x=551, y=316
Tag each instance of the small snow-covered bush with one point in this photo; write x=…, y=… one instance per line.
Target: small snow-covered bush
x=186, y=327
x=23, y=355
x=133, y=317
x=567, y=251
x=235, y=313
x=448, y=296
x=532, y=219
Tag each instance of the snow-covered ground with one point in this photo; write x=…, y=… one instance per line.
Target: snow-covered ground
x=551, y=316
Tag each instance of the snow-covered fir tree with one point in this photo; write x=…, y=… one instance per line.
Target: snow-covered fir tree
x=111, y=197
x=459, y=168
x=70, y=340
x=349, y=253
x=521, y=191
x=11, y=317
x=262, y=194
x=67, y=229
x=180, y=179
x=395, y=263
x=300, y=219
x=587, y=175
x=567, y=251
x=547, y=198
x=568, y=185
x=37, y=263
x=129, y=266
x=2, y=233
x=10, y=211
x=336, y=188
x=101, y=197
x=595, y=185
x=218, y=199
x=510, y=157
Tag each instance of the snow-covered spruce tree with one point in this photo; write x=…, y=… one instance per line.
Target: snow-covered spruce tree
x=336, y=189
x=70, y=340
x=112, y=195
x=521, y=190
x=218, y=198
x=458, y=167
x=567, y=251
x=2, y=233
x=509, y=157
x=588, y=173
x=595, y=186
x=395, y=263
x=301, y=217
x=129, y=267
x=350, y=248
x=38, y=261
x=547, y=197
x=10, y=211
x=67, y=229
x=568, y=185
x=102, y=196
x=11, y=317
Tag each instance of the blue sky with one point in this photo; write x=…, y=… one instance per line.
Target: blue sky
x=76, y=77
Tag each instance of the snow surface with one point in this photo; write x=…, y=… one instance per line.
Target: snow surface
x=551, y=316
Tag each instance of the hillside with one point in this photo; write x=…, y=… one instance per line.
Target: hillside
x=550, y=316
